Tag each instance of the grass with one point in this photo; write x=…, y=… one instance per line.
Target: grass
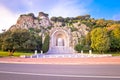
x=16, y=54
x=115, y=54
x=112, y=53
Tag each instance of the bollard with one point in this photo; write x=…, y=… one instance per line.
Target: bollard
x=35, y=52
x=81, y=51
x=90, y=51
x=41, y=52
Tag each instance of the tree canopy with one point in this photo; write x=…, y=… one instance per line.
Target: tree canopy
x=20, y=40
x=100, y=40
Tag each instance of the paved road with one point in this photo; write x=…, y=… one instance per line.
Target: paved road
x=58, y=72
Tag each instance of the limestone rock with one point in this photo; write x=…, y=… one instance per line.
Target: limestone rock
x=27, y=21
x=42, y=15
x=57, y=24
x=83, y=29
x=44, y=20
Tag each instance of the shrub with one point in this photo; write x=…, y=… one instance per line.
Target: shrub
x=79, y=47
x=45, y=46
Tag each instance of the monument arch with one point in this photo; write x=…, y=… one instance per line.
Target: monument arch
x=60, y=41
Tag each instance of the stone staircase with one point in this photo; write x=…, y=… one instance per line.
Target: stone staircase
x=60, y=49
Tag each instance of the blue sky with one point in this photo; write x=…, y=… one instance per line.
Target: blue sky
x=11, y=9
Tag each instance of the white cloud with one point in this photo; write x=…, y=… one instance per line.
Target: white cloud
x=7, y=18
x=68, y=8
x=9, y=12
x=64, y=8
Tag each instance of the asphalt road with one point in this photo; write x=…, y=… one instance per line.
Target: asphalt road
x=58, y=72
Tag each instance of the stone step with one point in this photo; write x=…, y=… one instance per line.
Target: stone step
x=61, y=50
x=68, y=55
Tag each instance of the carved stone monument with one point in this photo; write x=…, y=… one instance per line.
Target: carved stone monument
x=60, y=40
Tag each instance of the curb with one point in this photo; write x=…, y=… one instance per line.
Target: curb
x=63, y=61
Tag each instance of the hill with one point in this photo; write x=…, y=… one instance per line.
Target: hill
x=30, y=31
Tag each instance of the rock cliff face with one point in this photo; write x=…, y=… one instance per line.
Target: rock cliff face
x=43, y=20
x=30, y=21
x=44, y=24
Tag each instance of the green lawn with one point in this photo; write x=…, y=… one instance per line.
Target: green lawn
x=16, y=54
x=116, y=54
x=113, y=53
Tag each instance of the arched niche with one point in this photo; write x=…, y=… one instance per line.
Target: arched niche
x=59, y=38
x=59, y=41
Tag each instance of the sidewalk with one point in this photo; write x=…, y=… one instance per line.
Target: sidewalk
x=62, y=61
